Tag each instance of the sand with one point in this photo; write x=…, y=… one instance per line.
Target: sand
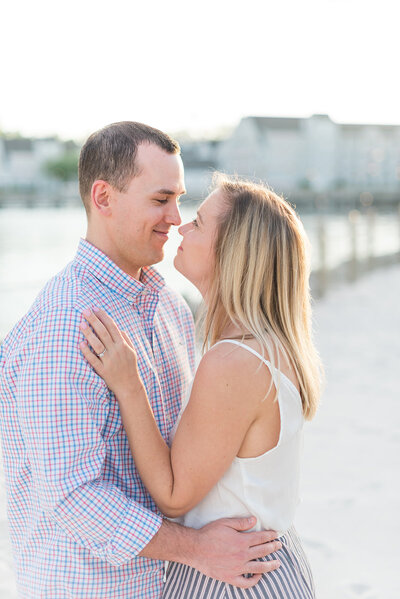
x=348, y=518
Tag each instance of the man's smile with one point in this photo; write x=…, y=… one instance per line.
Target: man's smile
x=161, y=234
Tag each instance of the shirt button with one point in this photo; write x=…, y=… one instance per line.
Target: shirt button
x=131, y=298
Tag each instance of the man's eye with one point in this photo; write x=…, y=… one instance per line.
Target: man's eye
x=161, y=201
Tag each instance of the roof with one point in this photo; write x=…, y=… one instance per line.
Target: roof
x=348, y=127
x=265, y=123
x=18, y=144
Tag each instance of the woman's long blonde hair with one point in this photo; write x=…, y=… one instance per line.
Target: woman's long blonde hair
x=261, y=281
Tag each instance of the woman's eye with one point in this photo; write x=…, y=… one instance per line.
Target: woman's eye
x=194, y=222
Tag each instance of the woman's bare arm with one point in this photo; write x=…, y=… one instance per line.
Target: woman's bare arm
x=225, y=398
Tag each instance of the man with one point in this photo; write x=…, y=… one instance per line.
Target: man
x=82, y=524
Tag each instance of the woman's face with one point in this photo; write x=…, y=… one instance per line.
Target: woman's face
x=195, y=256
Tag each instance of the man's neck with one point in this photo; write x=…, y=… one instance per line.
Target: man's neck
x=108, y=249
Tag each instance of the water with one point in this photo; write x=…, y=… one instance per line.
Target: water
x=37, y=243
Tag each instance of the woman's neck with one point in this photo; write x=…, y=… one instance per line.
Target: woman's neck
x=232, y=331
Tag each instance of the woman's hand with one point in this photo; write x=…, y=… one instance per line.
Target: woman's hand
x=113, y=356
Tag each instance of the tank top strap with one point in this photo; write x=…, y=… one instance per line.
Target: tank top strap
x=273, y=370
x=250, y=349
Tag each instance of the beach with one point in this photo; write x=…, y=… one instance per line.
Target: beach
x=350, y=484
x=348, y=517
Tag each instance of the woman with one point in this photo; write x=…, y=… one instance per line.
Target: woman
x=236, y=448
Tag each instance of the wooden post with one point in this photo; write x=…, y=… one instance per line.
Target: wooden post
x=398, y=220
x=322, y=267
x=371, y=224
x=353, y=262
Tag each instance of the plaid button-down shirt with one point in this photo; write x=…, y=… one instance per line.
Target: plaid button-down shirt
x=78, y=511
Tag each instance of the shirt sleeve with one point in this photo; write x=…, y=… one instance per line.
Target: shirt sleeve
x=62, y=410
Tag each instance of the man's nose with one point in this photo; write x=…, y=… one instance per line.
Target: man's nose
x=174, y=216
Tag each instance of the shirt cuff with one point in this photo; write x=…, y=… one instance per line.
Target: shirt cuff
x=136, y=530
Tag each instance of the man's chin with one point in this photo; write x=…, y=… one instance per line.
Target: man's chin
x=156, y=258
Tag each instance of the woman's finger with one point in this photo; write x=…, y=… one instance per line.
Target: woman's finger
x=94, y=341
x=91, y=357
x=98, y=327
x=108, y=323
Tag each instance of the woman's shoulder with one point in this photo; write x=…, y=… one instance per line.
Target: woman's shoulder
x=235, y=353
x=228, y=354
x=233, y=363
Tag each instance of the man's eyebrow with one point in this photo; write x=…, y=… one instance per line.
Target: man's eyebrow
x=168, y=192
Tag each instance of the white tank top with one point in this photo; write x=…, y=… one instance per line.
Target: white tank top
x=266, y=486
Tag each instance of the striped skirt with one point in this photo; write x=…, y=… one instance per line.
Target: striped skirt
x=293, y=580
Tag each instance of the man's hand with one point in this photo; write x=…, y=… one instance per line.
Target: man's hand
x=225, y=552
x=220, y=549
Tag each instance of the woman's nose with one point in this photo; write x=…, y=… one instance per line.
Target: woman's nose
x=182, y=229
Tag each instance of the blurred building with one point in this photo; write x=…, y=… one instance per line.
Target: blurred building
x=312, y=153
x=201, y=159
x=290, y=154
x=23, y=160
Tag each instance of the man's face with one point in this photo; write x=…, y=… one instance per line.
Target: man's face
x=143, y=215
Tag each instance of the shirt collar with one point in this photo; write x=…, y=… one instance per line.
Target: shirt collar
x=113, y=277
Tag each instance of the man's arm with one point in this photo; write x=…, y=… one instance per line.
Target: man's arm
x=218, y=549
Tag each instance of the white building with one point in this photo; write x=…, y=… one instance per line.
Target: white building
x=201, y=160
x=22, y=160
x=369, y=156
x=315, y=153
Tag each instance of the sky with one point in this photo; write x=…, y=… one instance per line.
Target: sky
x=70, y=68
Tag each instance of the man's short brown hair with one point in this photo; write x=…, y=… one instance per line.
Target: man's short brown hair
x=109, y=154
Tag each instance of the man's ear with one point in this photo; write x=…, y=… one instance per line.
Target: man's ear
x=101, y=196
